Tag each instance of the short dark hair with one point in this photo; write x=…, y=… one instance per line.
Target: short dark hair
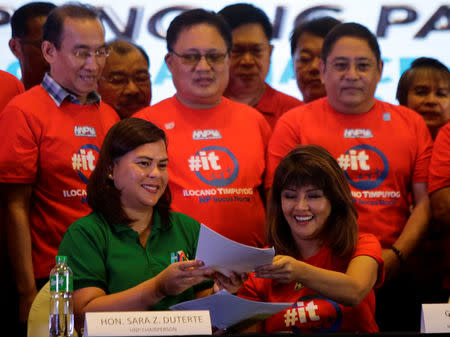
x=123, y=137
x=54, y=25
x=26, y=13
x=419, y=67
x=124, y=47
x=318, y=27
x=240, y=14
x=313, y=165
x=350, y=29
x=195, y=17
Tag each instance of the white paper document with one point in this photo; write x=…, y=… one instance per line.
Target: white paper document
x=227, y=310
x=225, y=255
x=435, y=318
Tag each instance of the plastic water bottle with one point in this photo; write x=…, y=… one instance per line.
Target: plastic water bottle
x=61, y=306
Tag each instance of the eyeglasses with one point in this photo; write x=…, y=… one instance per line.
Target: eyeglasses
x=255, y=51
x=192, y=59
x=84, y=54
x=141, y=79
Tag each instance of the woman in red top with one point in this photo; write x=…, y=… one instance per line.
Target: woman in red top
x=425, y=88
x=323, y=266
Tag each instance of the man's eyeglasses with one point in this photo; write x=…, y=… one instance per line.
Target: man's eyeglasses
x=192, y=59
x=141, y=79
x=84, y=54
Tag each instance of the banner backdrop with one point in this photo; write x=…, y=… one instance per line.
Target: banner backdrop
x=405, y=30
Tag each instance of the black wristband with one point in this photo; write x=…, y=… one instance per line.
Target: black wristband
x=398, y=253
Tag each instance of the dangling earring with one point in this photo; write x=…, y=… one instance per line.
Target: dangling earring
x=110, y=176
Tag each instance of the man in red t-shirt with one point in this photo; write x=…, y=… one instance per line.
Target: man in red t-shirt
x=52, y=135
x=250, y=62
x=10, y=87
x=439, y=190
x=383, y=149
x=216, y=146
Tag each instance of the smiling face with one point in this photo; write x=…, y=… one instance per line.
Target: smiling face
x=78, y=75
x=200, y=85
x=141, y=176
x=351, y=74
x=306, y=209
x=250, y=60
x=430, y=96
x=306, y=65
x=125, y=83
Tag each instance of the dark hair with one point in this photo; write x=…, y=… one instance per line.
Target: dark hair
x=240, y=14
x=124, y=47
x=23, y=15
x=123, y=137
x=54, y=26
x=313, y=165
x=418, y=67
x=350, y=29
x=318, y=27
x=195, y=17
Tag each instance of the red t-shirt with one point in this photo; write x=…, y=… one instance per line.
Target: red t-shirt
x=10, y=87
x=382, y=152
x=440, y=178
x=274, y=103
x=216, y=164
x=440, y=161
x=312, y=312
x=55, y=149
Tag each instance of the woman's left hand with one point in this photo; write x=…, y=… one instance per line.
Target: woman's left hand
x=230, y=284
x=283, y=269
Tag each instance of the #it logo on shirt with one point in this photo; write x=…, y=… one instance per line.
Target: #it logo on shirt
x=365, y=166
x=214, y=165
x=313, y=313
x=84, y=161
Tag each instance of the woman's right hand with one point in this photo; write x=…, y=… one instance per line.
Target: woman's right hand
x=180, y=276
x=284, y=269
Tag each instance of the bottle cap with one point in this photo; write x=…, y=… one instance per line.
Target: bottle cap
x=61, y=259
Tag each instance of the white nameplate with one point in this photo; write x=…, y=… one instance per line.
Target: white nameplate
x=147, y=323
x=435, y=318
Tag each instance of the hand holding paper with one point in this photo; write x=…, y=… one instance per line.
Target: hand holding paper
x=226, y=256
x=230, y=284
x=180, y=276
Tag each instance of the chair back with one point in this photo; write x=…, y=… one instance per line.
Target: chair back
x=39, y=312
